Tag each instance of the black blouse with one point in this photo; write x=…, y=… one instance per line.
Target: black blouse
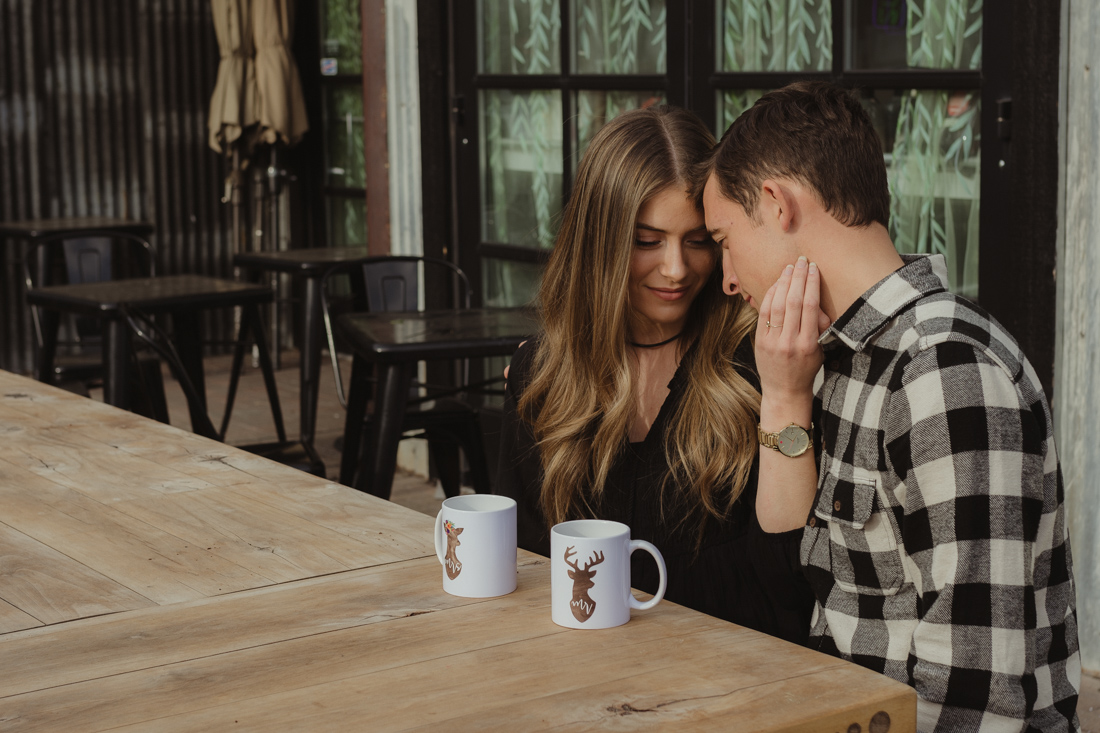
x=738, y=572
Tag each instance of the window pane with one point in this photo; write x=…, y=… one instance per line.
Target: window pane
x=763, y=35
x=347, y=220
x=343, y=111
x=731, y=103
x=519, y=37
x=341, y=36
x=521, y=166
x=933, y=157
x=923, y=34
x=619, y=37
x=506, y=283
x=594, y=109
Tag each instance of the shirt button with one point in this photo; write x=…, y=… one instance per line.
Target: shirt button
x=813, y=522
x=837, y=505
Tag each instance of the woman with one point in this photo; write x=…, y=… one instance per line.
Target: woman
x=638, y=401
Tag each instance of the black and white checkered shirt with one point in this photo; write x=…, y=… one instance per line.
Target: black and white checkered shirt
x=937, y=545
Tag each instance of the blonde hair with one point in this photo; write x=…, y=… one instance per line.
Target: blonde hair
x=580, y=399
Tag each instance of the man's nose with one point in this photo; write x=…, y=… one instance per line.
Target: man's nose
x=730, y=284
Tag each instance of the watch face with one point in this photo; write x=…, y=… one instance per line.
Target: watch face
x=793, y=441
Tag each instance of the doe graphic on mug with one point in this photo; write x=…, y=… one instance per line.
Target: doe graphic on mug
x=483, y=563
x=451, y=563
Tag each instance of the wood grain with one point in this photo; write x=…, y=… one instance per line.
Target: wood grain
x=101, y=647
x=12, y=619
x=51, y=587
x=149, y=561
x=679, y=667
x=152, y=579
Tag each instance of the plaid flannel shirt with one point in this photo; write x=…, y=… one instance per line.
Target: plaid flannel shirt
x=937, y=545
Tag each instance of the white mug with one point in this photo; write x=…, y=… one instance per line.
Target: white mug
x=590, y=574
x=475, y=541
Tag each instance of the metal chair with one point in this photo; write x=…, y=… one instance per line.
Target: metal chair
x=88, y=257
x=391, y=284
x=286, y=452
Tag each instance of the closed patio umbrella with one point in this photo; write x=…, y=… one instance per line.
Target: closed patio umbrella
x=282, y=111
x=233, y=106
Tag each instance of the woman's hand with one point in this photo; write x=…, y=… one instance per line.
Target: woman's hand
x=788, y=358
x=787, y=353
x=507, y=368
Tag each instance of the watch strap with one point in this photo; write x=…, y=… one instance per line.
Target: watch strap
x=771, y=440
x=768, y=440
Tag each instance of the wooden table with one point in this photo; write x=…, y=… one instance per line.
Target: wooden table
x=394, y=343
x=153, y=579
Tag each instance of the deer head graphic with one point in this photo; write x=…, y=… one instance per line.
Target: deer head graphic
x=452, y=564
x=582, y=605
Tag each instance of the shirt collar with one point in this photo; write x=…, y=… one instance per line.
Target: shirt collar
x=921, y=275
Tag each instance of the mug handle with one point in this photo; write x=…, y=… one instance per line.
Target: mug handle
x=634, y=602
x=438, y=537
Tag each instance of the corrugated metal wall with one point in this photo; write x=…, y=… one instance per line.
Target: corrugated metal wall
x=103, y=109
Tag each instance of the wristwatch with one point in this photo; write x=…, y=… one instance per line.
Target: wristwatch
x=792, y=441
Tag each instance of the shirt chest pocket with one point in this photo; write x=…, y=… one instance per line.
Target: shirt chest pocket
x=862, y=543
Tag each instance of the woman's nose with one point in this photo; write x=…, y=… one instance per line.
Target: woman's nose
x=673, y=265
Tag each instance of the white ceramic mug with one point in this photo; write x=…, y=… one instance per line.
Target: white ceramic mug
x=590, y=574
x=475, y=541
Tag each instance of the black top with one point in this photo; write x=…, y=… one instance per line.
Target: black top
x=739, y=573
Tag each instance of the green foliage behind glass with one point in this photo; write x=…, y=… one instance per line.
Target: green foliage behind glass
x=775, y=35
x=342, y=35
x=935, y=176
x=619, y=36
x=520, y=36
x=344, y=164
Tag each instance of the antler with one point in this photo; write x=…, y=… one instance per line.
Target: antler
x=597, y=558
x=571, y=564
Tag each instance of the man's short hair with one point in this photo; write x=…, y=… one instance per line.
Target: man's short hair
x=815, y=133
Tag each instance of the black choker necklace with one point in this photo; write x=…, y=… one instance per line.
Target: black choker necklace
x=654, y=346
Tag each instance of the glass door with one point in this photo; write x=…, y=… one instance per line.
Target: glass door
x=344, y=188
x=535, y=79
x=918, y=67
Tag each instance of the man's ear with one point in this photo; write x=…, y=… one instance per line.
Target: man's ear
x=778, y=204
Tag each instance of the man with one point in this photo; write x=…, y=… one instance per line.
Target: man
x=936, y=541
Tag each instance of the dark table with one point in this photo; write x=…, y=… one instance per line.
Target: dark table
x=310, y=265
x=183, y=296
x=393, y=343
x=32, y=230
x=91, y=226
